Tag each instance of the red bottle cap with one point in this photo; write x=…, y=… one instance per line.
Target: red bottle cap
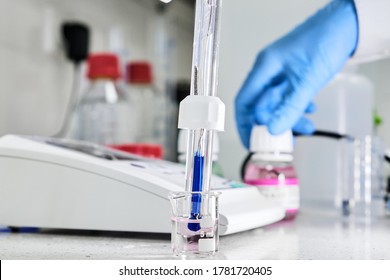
x=145, y=150
x=139, y=72
x=103, y=65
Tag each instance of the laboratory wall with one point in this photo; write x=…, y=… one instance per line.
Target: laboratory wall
x=378, y=72
x=36, y=78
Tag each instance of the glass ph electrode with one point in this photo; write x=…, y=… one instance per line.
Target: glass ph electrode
x=202, y=113
x=203, y=83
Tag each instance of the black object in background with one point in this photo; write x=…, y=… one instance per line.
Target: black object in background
x=75, y=37
x=328, y=134
x=387, y=195
x=76, y=41
x=183, y=89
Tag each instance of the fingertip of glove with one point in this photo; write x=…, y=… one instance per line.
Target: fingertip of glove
x=304, y=126
x=262, y=117
x=275, y=129
x=311, y=108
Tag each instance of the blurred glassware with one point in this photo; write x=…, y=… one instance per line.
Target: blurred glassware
x=104, y=114
x=155, y=111
x=269, y=167
x=345, y=107
x=139, y=78
x=365, y=178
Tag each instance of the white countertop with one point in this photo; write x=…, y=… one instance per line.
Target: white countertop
x=317, y=233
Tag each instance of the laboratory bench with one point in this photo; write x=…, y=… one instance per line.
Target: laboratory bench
x=319, y=232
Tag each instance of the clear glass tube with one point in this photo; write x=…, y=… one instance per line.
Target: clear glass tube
x=204, y=82
x=206, y=47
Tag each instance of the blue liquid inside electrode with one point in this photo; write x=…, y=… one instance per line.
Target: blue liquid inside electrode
x=197, y=185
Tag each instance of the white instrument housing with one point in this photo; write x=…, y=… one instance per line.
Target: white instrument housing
x=64, y=184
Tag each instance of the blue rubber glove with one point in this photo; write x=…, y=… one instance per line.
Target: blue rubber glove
x=289, y=72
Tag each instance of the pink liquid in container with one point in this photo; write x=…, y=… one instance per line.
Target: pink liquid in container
x=271, y=169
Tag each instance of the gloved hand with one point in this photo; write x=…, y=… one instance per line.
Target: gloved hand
x=289, y=72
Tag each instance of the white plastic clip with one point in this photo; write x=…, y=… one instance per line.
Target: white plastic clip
x=202, y=112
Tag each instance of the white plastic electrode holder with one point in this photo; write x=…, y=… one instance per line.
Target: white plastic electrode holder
x=263, y=141
x=202, y=112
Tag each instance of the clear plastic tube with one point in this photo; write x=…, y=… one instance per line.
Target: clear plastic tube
x=204, y=82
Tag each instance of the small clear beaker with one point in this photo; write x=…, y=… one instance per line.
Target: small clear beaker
x=194, y=223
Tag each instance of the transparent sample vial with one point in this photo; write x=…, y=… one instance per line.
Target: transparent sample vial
x=271, y=170
x=194, y=223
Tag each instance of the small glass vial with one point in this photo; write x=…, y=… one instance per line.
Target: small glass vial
x=271, y=169
x=104, y=115
x=194, y=223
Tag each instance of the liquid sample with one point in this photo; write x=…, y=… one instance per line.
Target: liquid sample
x=187, y=241
x=279, y=183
